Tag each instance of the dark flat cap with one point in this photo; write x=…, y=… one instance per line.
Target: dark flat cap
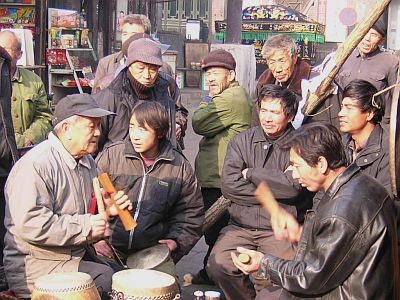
x=79, y=105
x=218, y=58
x=381, y=27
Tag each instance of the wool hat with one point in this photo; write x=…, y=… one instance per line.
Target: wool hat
x=144, y=50
x=80, y=105
x=381, y=27
x=218, y=58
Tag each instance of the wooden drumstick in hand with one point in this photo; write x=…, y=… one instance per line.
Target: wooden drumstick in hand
x=126, y=218
x=266, y=198
x=284, y=224
x=97, y=192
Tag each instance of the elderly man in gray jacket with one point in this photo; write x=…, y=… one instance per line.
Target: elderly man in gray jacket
x=48, y=194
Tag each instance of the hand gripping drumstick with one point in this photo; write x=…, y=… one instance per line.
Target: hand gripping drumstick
x=125, y=216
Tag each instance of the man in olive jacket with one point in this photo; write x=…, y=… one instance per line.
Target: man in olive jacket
x=220, y=116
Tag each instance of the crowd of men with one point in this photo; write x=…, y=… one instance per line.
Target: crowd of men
x=333, y=235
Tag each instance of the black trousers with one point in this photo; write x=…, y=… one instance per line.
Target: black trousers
x=2, y=215
x=210, y=196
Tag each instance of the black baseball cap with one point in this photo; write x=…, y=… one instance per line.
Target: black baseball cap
x=80, y=105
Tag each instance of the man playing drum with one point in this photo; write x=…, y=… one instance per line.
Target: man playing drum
x=167, y=203
x=48, y=194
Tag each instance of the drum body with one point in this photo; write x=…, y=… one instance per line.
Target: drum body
x=135, y=284
x=65, y=286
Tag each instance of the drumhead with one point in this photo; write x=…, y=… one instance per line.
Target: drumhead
x=134, y=282
x=149, y=258
x=64, y=281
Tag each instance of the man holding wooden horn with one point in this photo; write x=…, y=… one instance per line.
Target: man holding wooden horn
x=347, y=247
x=48, y=195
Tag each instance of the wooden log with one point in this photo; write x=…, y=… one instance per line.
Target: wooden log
x=215, y=212
x=325, y=88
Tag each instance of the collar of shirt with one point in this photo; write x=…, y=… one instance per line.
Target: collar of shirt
x=17, y=75
x=65, y=155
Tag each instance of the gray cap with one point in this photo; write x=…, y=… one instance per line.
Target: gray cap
x=80, y=105
x=144, y=50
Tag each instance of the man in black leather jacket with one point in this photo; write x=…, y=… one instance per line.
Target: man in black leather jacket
x=8, y=148
x=347, y=247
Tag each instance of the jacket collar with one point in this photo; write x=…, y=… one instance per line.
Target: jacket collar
x=166, y=150
x=259, y=135
x=343, y=178
x=71, y=162
x=369, y=55
x=118, y=56
x=373, y=145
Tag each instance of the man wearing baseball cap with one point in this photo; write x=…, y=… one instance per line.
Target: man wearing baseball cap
x=219, y=117
x=368, y=62
x=139, y=81
x=48, y=193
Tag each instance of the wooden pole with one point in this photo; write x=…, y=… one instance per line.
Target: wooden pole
x=234, y=22
x=325, y=88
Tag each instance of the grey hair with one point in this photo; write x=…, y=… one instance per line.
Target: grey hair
x=18, y=40
x=72, y=120
x=279, y=42
x=138, y=19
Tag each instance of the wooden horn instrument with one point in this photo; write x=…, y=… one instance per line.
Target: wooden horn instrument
x=125, y=216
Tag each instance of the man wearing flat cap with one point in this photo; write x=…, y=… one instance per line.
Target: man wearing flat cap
x=48, y=193
x=139, y=81
x=219, y=117
x=368, y=62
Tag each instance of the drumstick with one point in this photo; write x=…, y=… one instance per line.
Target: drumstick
x=99, y=197
x=266, y=198
x=125, y=216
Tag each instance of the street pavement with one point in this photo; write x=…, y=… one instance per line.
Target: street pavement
x=192, y=262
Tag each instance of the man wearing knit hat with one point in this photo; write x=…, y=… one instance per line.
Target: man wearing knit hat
x=219, y=117
x=139, y=81
x=369, y=63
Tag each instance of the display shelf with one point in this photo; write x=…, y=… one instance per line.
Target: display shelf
x=65, y=60
x=16, y=4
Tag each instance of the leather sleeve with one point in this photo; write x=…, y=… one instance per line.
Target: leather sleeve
x=331, y=258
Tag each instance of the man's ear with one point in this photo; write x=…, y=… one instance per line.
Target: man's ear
x=322, y=165
x=370, y=115
x=19, y=55
x=295, y=58
x=231, y=75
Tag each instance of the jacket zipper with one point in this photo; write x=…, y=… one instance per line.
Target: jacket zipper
x=140, y=198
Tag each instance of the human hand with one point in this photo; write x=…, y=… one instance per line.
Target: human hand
x=27, y=142
x=244, y=173
x=253, y=265
x=121, y=200
x=102, y=248
x=178, y=131
x=172, y=245
x=98, y=224
x=285, y=226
